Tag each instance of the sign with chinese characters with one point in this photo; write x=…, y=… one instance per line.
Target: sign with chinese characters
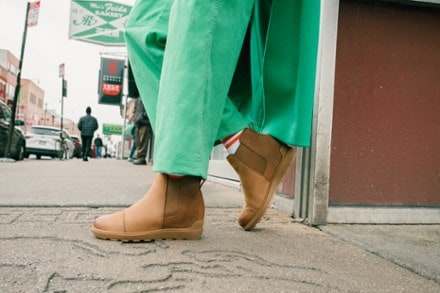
x=100, y=22
x=111, y=79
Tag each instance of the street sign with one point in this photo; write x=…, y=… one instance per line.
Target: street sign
x=64, y=89
x=61, y=70
x=99, y=22
x=109, y=129
x=34, y=10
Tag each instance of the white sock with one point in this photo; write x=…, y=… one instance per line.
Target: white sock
x=232, y=142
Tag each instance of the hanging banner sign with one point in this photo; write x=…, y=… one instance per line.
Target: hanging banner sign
x=112, y=129
x=61, y=70
x=100, y=22
x=34, y=10
x=111, y=78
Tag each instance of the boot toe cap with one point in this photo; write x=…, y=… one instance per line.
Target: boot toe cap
x=112, y=222
x=246, y=217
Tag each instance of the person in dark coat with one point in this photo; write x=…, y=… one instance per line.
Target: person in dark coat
x=133, y=145
x=143, y=132
x=87, y=125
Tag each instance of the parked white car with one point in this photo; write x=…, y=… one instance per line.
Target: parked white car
x=48, y=141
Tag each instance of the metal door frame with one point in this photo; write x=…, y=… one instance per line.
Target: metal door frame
x=313, y=164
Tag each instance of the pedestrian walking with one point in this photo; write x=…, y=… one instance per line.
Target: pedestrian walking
x=87, y=125
x=237, y=72
x=98, y=146
x=143, y=132
x=133, y=144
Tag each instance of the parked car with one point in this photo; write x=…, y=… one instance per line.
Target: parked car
x=48, y=141
x=18, y=141
x=77, y=152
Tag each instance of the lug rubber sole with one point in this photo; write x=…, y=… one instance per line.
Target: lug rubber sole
x=191, y=233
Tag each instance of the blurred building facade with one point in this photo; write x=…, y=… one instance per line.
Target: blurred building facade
x=31, y=104
x=8, y=76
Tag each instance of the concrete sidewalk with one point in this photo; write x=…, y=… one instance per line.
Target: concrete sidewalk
x=47, y=245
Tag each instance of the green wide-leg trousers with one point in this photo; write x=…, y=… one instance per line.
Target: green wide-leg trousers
x=185, y=86
x=202, y=77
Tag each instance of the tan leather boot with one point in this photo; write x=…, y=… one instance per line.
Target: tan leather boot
x=260, y=162
x=171, y=209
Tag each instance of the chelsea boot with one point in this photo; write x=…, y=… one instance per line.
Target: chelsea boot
x=171, y=209
x=260, y=162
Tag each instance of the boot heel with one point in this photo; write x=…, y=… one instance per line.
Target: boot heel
x=195, y=232
x=191, y=233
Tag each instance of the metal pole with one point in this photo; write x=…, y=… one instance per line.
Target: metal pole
x=62, y=103
x=125, y=94
x=17, y=87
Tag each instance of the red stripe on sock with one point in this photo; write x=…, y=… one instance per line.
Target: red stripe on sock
x=225, y=140
x=174, y=176
x=232, y=141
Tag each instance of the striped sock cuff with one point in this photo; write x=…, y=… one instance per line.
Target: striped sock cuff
x=232, y=142
x=174, y=176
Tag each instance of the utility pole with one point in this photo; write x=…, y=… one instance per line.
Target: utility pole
x=63, y=92
x=17, y=86
x=29, y=21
